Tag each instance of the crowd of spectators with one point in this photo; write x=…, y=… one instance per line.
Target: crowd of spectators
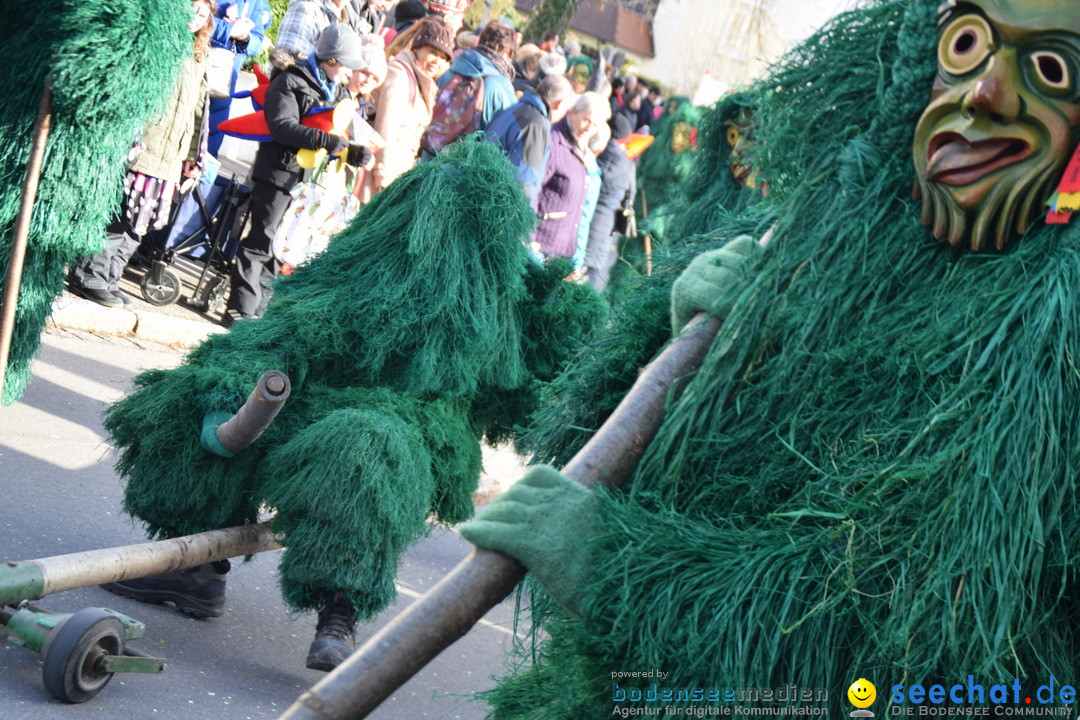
x=422, y=81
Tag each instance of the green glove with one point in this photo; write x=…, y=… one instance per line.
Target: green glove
x=712, y=281
x=544, y=521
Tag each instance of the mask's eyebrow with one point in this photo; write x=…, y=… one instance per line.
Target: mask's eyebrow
x=952, y=9
x=1054, y=38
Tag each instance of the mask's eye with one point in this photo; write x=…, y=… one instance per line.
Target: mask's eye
x=1051, y=71
x=733, y=136
x=964, y=44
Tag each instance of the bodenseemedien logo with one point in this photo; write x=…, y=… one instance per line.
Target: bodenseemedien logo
x=862, y=695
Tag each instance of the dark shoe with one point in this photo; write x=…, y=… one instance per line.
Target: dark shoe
x=198, y=592
x=334, y=639
x=101, y=297
x=122, y=297
x=230, y=317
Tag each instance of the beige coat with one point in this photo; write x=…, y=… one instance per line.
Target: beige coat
x=403, y=111
x=175, y=136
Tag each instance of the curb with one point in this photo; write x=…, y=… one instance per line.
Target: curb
x=173, y=331
x=75, y=313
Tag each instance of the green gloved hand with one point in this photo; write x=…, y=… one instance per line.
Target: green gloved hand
x=712, y=281
x=544, y=521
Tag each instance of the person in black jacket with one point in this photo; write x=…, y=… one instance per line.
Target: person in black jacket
x=318, y=80
x=617, y=190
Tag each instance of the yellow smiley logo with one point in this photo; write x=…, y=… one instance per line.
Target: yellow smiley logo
x=862, y=693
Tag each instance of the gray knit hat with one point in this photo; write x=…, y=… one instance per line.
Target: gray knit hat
x=340, y=42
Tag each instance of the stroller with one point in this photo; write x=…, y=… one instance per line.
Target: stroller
x=205, y=227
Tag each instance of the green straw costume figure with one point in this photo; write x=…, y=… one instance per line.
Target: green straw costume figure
x=639, y=325
x=104, y=89
x=426, y=324
x=873, y=475
x=669, y=160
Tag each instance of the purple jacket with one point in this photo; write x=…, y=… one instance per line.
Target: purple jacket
x=562, y=195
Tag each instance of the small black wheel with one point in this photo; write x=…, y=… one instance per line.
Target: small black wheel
x=217, y=292
x=160, y=292
x=74, y=653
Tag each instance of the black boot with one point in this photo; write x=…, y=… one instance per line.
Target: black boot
x=334, y=640
x=198, y=592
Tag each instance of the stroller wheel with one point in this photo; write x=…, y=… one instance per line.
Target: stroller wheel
x=211, y=295
x=163, y=290
x=217, y=292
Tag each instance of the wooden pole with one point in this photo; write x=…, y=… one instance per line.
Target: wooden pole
x=22, y=228
x=257, y=412
x=484, y=578
x=32, y=579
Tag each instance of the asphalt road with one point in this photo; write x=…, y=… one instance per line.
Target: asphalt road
x=59, y=494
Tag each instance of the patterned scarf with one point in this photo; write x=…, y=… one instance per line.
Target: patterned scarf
x=497, y=60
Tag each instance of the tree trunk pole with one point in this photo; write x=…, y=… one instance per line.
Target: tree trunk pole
x=32, y=579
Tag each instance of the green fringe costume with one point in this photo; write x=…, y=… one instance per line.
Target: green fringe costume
x=874, y=472
x=577, y=402
x=113, y=67
x=661, y=169
x=424, y=325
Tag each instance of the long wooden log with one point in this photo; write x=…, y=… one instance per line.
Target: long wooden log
x=32, y=579
x=484, y=578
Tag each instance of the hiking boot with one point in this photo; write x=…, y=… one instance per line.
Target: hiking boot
x=98, y=295
x=334, y=639
x=197, y=592
x=122, y=297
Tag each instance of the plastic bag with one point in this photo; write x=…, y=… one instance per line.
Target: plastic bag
x=320, y=208
x=219, y=75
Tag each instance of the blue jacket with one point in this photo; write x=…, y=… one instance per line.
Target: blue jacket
x=593, y=183
x=259, y=12
x=498, y=92
x=523, y=130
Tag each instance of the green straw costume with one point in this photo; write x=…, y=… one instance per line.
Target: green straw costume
x=874, y=472
x=424, y=325
x=113, y=66
x=638, y=326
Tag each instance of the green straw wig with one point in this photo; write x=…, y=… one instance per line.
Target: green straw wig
x=425, y=324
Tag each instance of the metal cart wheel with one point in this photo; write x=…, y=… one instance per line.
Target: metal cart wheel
x=75, y=651
x=160, y=292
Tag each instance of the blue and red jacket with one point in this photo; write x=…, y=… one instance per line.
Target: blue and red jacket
x=523, y=130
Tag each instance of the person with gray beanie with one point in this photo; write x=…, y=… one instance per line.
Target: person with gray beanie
x=614, y=204
x=320, y=79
